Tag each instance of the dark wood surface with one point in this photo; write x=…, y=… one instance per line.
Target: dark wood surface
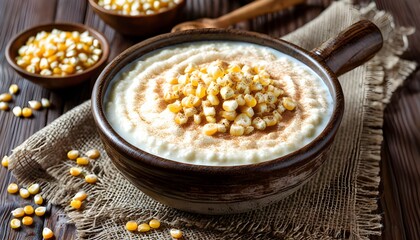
x=400, y=168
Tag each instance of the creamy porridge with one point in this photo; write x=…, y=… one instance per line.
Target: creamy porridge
x=246, y=103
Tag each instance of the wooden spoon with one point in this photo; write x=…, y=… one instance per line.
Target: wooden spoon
x=248, y=11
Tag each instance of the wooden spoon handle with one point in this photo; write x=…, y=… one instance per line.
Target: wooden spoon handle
x=254, y=9
x=351, y=48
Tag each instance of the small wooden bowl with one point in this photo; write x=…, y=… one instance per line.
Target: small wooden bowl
x=56, y=82
x=234, y=189
x=139, y=25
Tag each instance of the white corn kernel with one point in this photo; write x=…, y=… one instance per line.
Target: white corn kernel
x=230, y=105
x=236, y=130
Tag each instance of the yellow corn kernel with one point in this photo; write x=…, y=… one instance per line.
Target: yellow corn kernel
x=229, y=115
x=259, y=123
x=270, y=98
x=188, y=101
x=236, y=130
x=91, y=178
x=82, y=195
x=67, y=68
x=26, y=112
x=261, y=108
x=144, y=227
x=277, y=92
x=4, y=106
x=250, y=101
x=260, y=97
x=227, y=92
x=40, y=211
x=209, y=111
x=154, y=223
x=270, y=120
x=5, y=161
x=197, y=119
x=13, y=89
x=18, y=212
x=240, y=99
x=6, y=97
x=24, y=193
x=215, y=71
x=76, y=204
x=82, y=161
x=214, y=100
x=210, y=129
x=34, y=188
x=175, y=233
x=277, y=115
x=93, y=154
x=29, y=210
x=234, y=68
x=210, y=119
x=27, y=221
x=47, y=233
x=289, y=104
x=15, y=223
x=242, y=120
x=248, y=130
x=221, y=128
x=12, y=188
x=196, y=101
x=180, y=119
x=256, y=86
x=45, y=103
x=188, y=89
x=213, y=89
x=75, y=171
x=73, y=154
x=36, y=105
x=189, y=112
x=265, y=81
x=230, y=105
x=175, y=107
x=200, y=91
x=190, y=68
x=225, y=123
x=38, y=200
x=131, y=226
x=249, y=111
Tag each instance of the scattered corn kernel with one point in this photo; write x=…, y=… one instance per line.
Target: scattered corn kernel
x=45, y=103
x=34, y=188
x=59, y=53
x=38, y=200
x=35, y=105
x=40, y=211
x=29, y=210
x=26, y=112
x=12, y=188
x=154, y=223
x=13, y=89
x=15, y=223
x=75, y=171
x=175, y=233
x=24, y=193
x=82, y=195
x=210, y=129
x=4, y=106
x=236, y=130
x=5, y=97
x=47, y=233
x=76, y=204
x=27, y=220
x=289, y=104
x=18, y=212
x=144, y=227
x=91, y=178
x=73, y=154
x=93, y=154
x=5, y=161
x=17, y=111
x=82, y=161
x=131, y=226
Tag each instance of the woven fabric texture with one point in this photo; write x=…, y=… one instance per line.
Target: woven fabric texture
x=338, y=203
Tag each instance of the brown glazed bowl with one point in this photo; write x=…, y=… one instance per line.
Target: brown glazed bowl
x=139, y=25
x=56, y=82
x=234, y=189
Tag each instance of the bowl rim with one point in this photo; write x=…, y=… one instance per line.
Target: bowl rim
x=95, y=5
x=96, y=34
x=297, y=157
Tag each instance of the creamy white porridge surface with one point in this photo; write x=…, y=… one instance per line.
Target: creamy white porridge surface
x=137, y=111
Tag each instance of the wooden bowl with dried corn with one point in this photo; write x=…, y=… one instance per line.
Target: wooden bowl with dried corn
x=221, y=121
x=58, y=55
x=139, y=18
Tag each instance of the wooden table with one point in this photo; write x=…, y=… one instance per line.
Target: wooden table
x=400, y=188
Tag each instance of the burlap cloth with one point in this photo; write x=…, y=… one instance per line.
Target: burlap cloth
x=340, y=202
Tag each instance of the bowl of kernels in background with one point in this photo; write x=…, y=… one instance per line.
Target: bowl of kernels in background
x=58, y=55
x=139, y=17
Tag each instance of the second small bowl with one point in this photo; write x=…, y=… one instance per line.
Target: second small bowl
x=55, y=82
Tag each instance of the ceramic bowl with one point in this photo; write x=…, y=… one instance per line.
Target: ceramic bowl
x=55, y=82
x=140, y=25
x=234, y=189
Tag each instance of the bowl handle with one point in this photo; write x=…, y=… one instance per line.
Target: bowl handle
x=351, y=48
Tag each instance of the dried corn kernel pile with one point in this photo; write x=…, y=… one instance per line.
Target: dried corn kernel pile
x=59, y=53
x=138, y=7
x=233, y=98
